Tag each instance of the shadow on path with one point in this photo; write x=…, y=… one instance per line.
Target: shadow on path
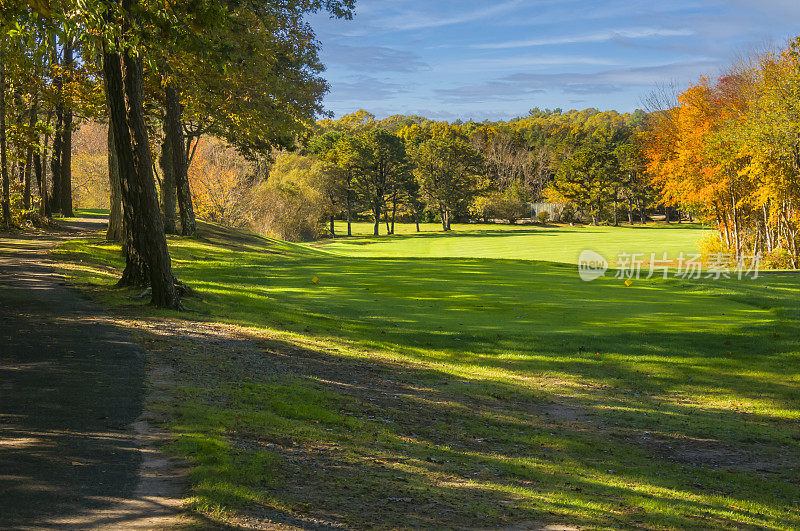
x=71, y=385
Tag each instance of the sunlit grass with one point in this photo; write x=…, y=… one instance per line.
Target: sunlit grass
x=488, y=391
x=528, y=242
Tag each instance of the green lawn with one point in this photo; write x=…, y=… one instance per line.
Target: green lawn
x=469, y=391
x=524, y=242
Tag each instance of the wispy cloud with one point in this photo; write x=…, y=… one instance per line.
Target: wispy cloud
x=373, y=58
x=527, y=62
x=602, y=36
x=416, y=20
x=359, y=89
x=473, y=57
x=605, y=82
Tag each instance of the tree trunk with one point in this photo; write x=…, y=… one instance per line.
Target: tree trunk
x=349, y=212
x=26, y=196
x=55, y=163
x=140, y=202
x=3, y=142
x=168, y=189
x=616, y=219
x=394, y=210
x=386, y=221
x=65, y=199
x=333, y=228
x=376, y=211
x=666, y=213
x=65, y=187
x=41, y=184
x=630, y=213
x=114, y=232
x=174, y=134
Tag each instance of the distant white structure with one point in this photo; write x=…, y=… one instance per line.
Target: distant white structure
x=554, y=209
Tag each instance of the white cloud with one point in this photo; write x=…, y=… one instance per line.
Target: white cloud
x=415, y=20
x=603, y=36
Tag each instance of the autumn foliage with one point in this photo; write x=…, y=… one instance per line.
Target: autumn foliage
x=731, y=150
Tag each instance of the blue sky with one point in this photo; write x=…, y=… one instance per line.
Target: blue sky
x=449, y=59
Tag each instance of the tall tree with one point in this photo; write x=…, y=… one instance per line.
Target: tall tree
x=447, y=167
x=588, y=179
x=146, y=246
x=174, y=141
x=383, y=164
x=65, y=164
x=4, y=145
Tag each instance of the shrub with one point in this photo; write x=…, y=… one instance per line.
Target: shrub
x=568, y=215
x=290, y=204
x=778, y=259
x=711, y=246
x=543, y=216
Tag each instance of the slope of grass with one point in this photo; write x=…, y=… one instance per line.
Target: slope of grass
x=455, y=392
x=526, y=242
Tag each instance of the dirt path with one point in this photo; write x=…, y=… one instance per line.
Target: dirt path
x=72, y=385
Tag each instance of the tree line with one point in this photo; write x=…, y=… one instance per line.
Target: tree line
x=423, y=170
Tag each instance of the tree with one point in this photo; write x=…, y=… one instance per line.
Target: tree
x=4, y=145
x=383, y=165
x=588, y=178
x=447, y=167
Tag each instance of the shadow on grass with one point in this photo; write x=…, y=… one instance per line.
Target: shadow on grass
x=424, y=447
x=461, y=392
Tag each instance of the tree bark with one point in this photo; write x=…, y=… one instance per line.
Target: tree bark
x=168, y=191
x=3, y=144
x=55, y=163
x=26, y=196
x=394, y=210
x=41, y=184
x=180, y=168
x=376, y=211
x=616, y=199
x=114, y=232
x=140, y=202
x=333, y=228
x=65, y=199
x=349, y=210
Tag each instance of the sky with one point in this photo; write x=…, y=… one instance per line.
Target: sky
x=478, y=59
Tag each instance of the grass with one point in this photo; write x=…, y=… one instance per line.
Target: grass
x=524, y=242
x=460, y=391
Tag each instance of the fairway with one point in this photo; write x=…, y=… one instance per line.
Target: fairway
x=523, y=242
x=481, y=391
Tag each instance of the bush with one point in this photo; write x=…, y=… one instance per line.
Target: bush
x=290, y=204
x=711, y=246
x=543, y=217
x=568, y=215
x=778, y=259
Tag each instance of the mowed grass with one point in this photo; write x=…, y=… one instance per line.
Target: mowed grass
x=524, y=242
x=478, y=392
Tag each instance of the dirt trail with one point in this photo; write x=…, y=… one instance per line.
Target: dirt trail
x=74, y=452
